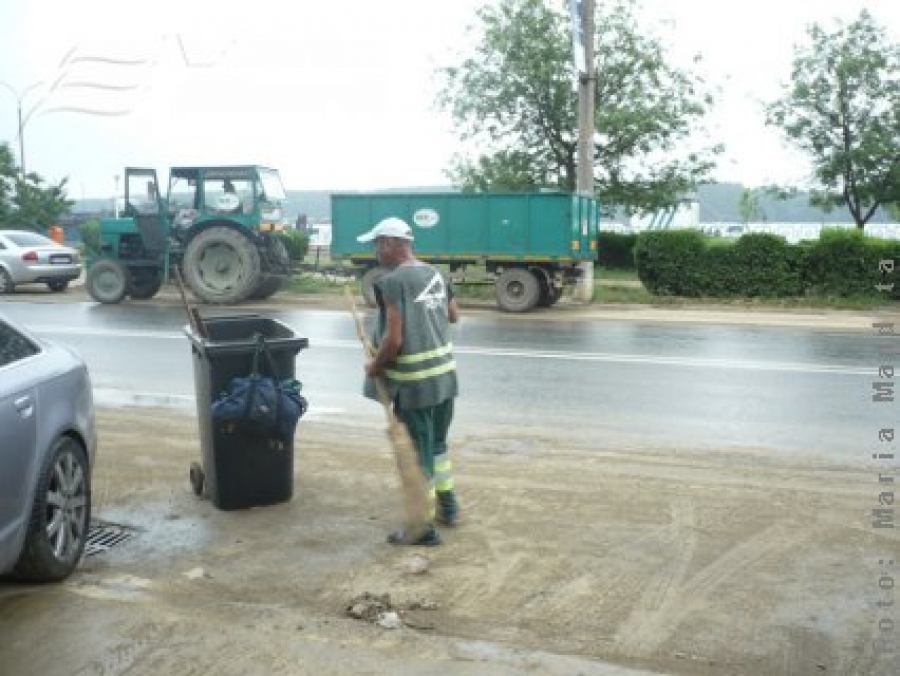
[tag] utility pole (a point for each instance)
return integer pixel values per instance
(20, 96)
(586, 88)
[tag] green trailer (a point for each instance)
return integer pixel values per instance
(530, 245)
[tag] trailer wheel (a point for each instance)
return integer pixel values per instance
(550, 294)
(221, 265)
(368, 281)
(553, 295)
(517, 289)
(107, 281)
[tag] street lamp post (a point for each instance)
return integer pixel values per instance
(20, 96)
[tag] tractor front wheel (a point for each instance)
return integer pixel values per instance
(222, 265)
(107, 281)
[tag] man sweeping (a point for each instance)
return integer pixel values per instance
(414, 357)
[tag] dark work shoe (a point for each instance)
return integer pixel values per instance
(447, 519)
(429, 538)
(447, 508)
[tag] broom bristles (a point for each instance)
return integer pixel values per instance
(416, 496)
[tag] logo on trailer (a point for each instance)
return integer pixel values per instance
(426, 218)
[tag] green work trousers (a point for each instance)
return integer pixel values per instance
(428, 428)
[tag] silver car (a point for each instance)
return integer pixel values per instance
(29, 258)
(47, 445)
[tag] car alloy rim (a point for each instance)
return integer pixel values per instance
(66, 506)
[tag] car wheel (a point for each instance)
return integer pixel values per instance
(60, 516)
(6, 283)
(58, 285)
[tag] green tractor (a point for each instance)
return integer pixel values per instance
(218, 225)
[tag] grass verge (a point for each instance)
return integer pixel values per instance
(605, 292)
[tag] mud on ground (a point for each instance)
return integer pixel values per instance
(568, 560)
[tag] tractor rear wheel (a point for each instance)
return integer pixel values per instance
(107, 281)
(269, 286)
(222, 265)
(145, 284)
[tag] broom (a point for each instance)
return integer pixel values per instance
(416, 496)
(196, 321)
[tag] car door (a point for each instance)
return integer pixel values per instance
(18, 434)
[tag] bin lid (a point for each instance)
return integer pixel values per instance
(237, 335)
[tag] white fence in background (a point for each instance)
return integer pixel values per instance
(792, 232)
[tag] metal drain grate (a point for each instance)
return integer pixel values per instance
(104, 536)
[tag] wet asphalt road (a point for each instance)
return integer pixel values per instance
(620, 383)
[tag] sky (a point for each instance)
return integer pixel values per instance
(337, 96)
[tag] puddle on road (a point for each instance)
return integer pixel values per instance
(504, 446)
(122, 398)
(117, 588)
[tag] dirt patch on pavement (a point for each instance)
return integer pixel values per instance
(567, 559)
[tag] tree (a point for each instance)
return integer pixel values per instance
(7, 182)
(515, 101)
(842, 107)
(39, 206)
(894, 210)
(749, 205)
(25, 201)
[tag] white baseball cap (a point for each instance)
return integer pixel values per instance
(389, 227)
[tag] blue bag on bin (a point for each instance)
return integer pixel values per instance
(261, 404)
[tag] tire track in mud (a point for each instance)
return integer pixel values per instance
(663, 589)
(657, 616)
(493, 568)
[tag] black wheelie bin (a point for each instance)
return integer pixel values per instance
(240, 468)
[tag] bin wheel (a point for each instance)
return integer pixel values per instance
(197, 479)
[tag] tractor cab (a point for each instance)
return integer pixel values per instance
(218, 224)
(145, 205)
(249, 197)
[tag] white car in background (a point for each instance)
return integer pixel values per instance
(48, 441)
(29, 258)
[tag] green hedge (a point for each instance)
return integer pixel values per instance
(616, 250)
(841, 263)
(89, 231)
(845, 263)
(671, 263)
(296, 243)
